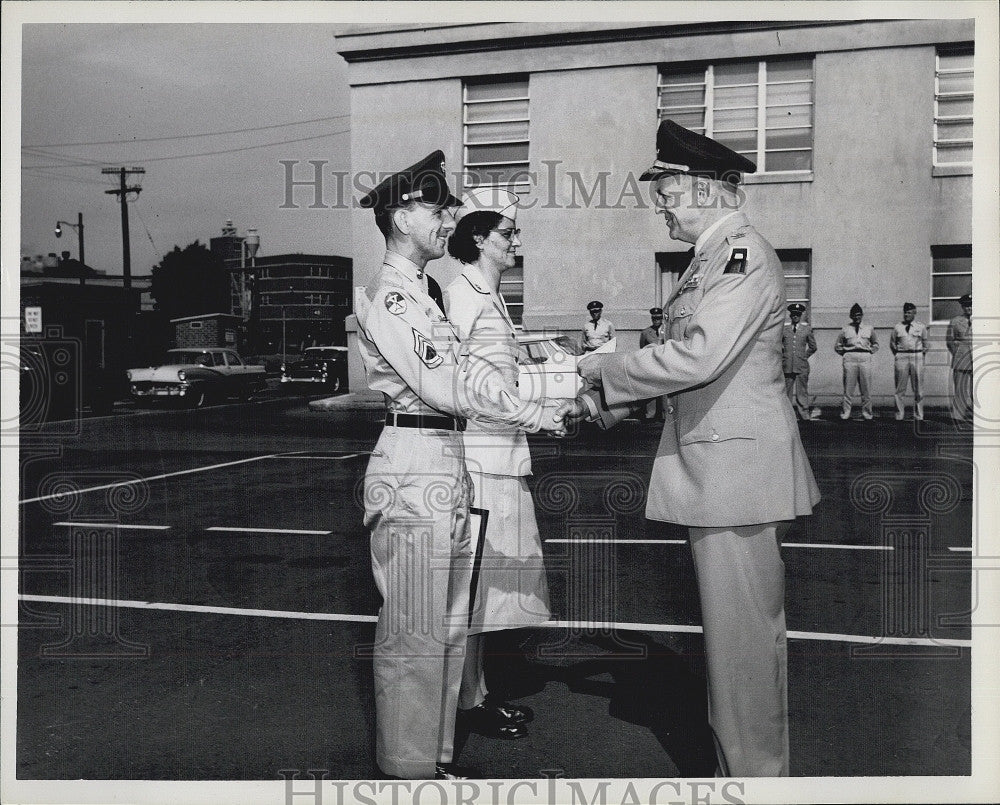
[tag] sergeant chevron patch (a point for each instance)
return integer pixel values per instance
(425, 351)
(737, 262)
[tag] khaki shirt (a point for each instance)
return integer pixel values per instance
(909, 341)
(412, 354)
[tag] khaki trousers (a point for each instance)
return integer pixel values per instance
(417, 507)
(909, 370)
(741, 584)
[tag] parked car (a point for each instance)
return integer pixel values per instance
(320, 369)
(547, 367)
(196, 376)
(58, 382)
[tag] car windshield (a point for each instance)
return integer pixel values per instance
(192, 357)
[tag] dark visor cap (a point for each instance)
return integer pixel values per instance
(679, 150)
(424, 181)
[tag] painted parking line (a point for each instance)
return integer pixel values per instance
(315, 457)
(243, 530)
(961, 550)
(598, 541)
(70, 492)
(584, 625)
(613, 541)
(129, 526)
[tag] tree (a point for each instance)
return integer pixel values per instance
(189, 282)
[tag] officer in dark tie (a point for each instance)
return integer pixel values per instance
(797, 344)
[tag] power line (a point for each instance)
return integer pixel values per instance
(91, 164)
(187, 136)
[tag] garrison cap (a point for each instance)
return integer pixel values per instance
(797, 307)
(965, 300)
(909, 306)
(679, 150)
(489, 199)
(595, 305)
(424, 181)
(856, 308)
(656, 311)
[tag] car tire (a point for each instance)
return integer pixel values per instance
(198, 398)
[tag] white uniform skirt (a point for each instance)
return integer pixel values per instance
(511, 590)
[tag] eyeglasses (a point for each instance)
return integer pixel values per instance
(507, 234)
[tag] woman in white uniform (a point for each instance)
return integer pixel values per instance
(512, 591)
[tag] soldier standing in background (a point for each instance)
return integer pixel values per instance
(909, 344)
(857, 343)
(654, 334)
(959, 342)
(797, 344)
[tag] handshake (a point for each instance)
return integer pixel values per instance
(559, 414)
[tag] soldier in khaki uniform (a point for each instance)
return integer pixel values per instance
(730, 464)
(959, 342)
(416, 486)
(908, 343)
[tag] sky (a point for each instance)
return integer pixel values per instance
(116, 87)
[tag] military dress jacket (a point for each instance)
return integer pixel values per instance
(489, 340)
(797, 344)
(411, 354)
(959, 342)
(730, 453)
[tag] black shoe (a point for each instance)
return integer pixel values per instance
(493, 722)
(518, 713)
(449, 771)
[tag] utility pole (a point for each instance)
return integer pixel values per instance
(122, 192)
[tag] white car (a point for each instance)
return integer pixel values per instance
(547, 367)
(196, 376)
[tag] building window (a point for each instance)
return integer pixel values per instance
(797, 267)
(951, 278)
(761, 109)
(512, 288)
(263, 273)
(953, 107)
(495, 132)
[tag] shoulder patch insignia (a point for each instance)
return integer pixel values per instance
(737, 262)
(395, 303)
(425, 351)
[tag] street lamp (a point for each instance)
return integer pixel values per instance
(248, 246)
(78, 226)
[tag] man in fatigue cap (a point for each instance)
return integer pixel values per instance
(730, 464)
(416, 486)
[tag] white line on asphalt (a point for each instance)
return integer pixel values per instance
(253, 613)
(118, 525)
(839, 547)
(70, 492)
(321, 458)
(961, 550)
(684, 542)
(589, 625)
(621, 541)
(265, 530)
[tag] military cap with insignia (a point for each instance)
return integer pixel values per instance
(595, 305)
(965, 300)
(796, 307)
(656, 311)
(423, 181)
(679, 150)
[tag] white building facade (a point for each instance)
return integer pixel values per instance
(862, 133)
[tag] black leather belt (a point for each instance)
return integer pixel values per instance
(425, 421)
(909, 351)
